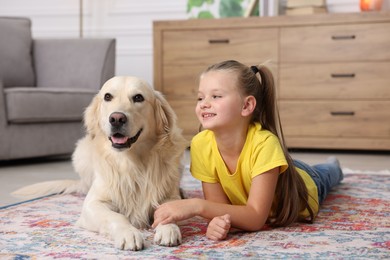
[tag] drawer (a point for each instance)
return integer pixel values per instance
(336, 118)
(181, 81)
(364, 42)
(185, 112)
(345, 143)
(364, 80)
(205, 47)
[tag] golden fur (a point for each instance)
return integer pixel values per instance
(128, 162)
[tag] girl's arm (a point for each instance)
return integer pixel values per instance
(249, 217)
(213, 192)
(253, 215)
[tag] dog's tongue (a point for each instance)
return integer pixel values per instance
(119, 140)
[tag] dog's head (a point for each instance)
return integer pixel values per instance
(127, 111)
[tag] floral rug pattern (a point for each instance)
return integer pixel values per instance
(353, 223)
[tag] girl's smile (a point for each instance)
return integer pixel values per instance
(207, 115)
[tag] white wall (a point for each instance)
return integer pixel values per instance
(129, 21)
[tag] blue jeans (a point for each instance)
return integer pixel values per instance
(325, 176)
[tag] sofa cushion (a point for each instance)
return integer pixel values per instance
(16, 65)
(78, 63)
(35, 105)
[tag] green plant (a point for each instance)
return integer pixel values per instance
(199, 3)
(229, 8)
(226, 8)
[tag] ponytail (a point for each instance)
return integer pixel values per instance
(291, 192)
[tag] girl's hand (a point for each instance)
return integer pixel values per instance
(218, 227)
(174, 211)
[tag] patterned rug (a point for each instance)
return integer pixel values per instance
(354, 223)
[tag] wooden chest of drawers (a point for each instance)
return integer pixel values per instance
(332, 72)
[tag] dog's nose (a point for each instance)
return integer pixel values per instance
(118, 119)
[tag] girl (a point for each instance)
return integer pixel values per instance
(248, 177)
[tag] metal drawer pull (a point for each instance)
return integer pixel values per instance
(346, 75)
(343, 37)
(342, 113)
(219, 41)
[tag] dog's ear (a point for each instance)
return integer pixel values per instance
(91, 122)
(164, 115)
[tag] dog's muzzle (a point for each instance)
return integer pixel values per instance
(118, 139)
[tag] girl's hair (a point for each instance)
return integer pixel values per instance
(291, 192)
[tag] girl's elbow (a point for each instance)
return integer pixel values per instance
(259, 220)
(255, 228)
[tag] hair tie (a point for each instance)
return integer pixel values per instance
(254, 69)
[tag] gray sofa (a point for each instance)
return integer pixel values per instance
(45, 85)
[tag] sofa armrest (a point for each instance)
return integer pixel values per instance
(73, 63)
(3, 116)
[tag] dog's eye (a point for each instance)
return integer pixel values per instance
(138, 98)
(107, 97)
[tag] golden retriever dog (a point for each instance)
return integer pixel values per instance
(129, 162)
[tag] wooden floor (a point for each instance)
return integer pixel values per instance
(18, 174)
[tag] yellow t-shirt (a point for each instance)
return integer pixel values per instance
(261, 152)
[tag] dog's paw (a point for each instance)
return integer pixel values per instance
(129, 239)
(167, 235)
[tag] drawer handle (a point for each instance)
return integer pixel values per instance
(342, 113)
(346, 75)
(219, 41)
(343, 37)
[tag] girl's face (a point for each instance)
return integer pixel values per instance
(219, 101)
